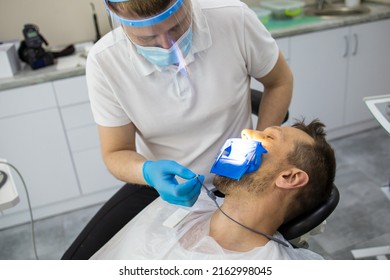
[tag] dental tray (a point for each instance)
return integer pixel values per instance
(284, 9)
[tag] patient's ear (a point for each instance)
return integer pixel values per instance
(292, 178)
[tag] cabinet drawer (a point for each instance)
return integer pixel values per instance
(77, 116)
(71, 91)
(92, 173)
(26, 99)
(83, 138)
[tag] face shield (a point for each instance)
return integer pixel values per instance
(161, 36)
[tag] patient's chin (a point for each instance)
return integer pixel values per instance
(218, 181)
(222, 183)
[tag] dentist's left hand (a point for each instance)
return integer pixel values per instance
(161, 175)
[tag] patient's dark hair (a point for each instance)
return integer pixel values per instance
(318, 161)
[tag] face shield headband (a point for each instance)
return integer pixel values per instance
(143, 22)
(238, 157)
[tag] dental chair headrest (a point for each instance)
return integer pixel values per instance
(306, 222)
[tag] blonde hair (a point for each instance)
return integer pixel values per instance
(142, 8)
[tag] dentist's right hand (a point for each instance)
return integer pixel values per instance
(161, 174)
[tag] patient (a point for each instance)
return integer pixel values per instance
(296, 174)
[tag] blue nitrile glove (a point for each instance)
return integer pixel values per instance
(161, 175)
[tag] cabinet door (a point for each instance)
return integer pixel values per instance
(369, 67)
(71, 91)
(26, 99)
(81, 131)
(92, 173)
(319, 62)
(35, 143)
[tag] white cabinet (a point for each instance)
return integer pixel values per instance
(319, 63)
(368, 69)
(33, 140)
(334, 70)
(47, 132)
(81, 130)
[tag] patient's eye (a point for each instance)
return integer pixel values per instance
(273, 133)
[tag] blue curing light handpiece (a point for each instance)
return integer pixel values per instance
(238, 157)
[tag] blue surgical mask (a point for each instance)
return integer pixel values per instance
(165, 57)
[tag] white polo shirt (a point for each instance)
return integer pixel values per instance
(184, 115)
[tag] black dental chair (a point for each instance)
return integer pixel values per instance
(305, 223)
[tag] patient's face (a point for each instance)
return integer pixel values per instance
(279, 142)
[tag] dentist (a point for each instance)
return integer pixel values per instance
(168, 85)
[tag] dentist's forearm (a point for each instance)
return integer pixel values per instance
(274, 106)
(126, 166)
(277, 95)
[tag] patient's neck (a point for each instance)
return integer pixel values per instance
(258, 214)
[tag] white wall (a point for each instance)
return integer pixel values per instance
(61, 22)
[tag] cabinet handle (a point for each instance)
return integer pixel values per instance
(356, 44)
(346, 46)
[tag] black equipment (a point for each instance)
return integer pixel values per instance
(32, 52)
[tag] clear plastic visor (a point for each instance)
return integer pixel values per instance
(161, 30)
